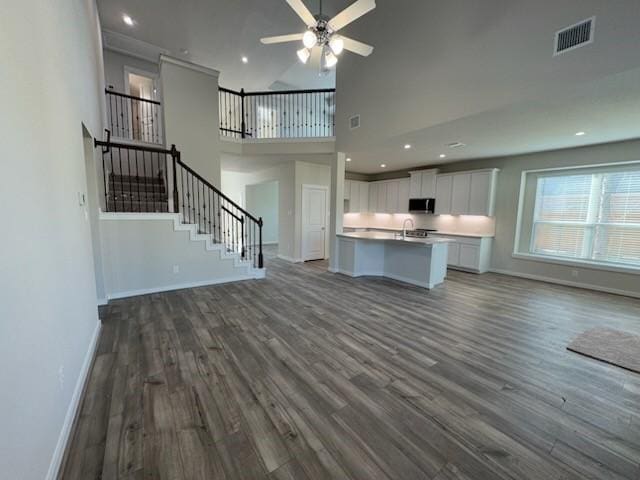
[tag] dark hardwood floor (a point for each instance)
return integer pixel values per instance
(310, 375)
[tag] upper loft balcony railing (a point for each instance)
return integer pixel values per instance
(133, 118)
(278, 114)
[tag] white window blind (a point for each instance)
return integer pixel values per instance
(589, 216)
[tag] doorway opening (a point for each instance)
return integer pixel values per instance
(144, 118)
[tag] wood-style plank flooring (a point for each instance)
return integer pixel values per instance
(309, 375)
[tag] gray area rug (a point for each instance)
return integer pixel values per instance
(618, 348)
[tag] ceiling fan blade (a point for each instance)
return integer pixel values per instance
(351, 13)
(357, 47)
(303, 12)
(294, 37)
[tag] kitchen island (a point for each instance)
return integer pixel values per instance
(417, 261)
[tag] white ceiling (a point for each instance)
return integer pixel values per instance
(217, 33)
(451, 71)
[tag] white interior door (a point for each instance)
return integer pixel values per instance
(314, 222)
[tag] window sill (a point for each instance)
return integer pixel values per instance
(608, 267)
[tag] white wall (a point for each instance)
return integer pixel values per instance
(234, 183)
(262, 201)
(114, 63)
(140, 255)
(190, 104)
(51, 84)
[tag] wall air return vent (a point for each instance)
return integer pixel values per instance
(354, 122)
(575, 36)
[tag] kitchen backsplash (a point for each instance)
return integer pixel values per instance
(444, 223)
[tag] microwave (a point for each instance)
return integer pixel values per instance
(422, 205)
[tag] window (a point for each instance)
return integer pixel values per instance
(593, 216)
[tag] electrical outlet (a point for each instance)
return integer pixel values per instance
(176, 269)
(61, 376)
(575, 273)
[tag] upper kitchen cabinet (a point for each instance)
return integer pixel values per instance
(356, 196)
(391, 205)
(423, 184)
(466, 193)
(404, 187)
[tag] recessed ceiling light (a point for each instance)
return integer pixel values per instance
(442, 155)
(579, 134)
(383, 165)
(128, 20)
(348, 159)
(407, 146)
(245, 60)
(184, 51)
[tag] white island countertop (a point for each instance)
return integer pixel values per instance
(392, 237)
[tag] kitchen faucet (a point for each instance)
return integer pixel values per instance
(404, 227)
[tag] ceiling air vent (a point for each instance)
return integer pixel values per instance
(354, 122)
(456, 145)
(575, 36)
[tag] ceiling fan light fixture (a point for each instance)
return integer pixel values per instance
(337, 45)
(330, 60)
(304, 54)
(309, 39)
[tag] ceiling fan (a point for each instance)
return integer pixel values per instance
(321, 38)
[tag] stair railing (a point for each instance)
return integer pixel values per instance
(134, 118)
(135, 180)
(277, 114)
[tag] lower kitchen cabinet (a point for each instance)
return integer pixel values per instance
(471, 254)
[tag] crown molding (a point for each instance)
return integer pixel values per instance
(120, 43)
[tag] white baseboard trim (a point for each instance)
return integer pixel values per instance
(567, 283)
(269, 243)
(179, 286)
(72, 411)
(290, 259)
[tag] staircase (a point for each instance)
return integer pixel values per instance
(140, 180)
(129, 193)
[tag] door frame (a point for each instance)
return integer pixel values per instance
(303, 242)
(157, 95)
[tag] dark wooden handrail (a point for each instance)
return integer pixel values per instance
(124, 95)
(277, 92)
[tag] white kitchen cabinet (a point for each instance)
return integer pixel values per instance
(364, 197)
(391, 205)
(482, 193)
(347, 189)
(472, 254)
(354, 197)
(469, 256)
(444, 184)
(403, 195)
(381, 199)
(423, 184)
(460, 193)
(373, 197)
(466, 193)
(453, 255)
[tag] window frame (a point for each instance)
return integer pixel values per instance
(528, 219)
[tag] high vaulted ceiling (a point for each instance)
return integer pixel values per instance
(217, 33)
(483, 73)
